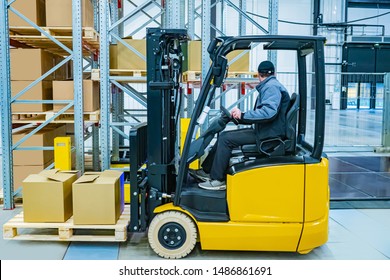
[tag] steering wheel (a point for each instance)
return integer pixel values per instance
(227, 114)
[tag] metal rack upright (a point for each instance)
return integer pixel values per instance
(76, 54)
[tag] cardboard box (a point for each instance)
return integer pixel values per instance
(44, 137)
(34, 10)
(59, 13)
(21, 172)
(41, 91)
(120, 176)
(127, 59)
(114, 56)
(30, 64)
(193, 56)
(96, 199)
(63, 90)
(65, 72)
(47, 196)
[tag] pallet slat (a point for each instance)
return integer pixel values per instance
(66, 230)
(67, 117)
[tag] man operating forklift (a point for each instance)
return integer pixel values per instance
(268, 118)
(277, 192)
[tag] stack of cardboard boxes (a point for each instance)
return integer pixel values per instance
(51, 13)
(123, 58)
(96, 198)
(29, 64)
(59, 13)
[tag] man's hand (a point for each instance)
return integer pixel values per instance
(236, 113)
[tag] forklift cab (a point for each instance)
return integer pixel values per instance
(277, 199)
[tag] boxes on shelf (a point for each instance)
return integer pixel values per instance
(96, 199)
(47, 196)
(193, 58)
(65, 72)
(41, 91)
(21, 172)
(127, 59)
(30, 64)
(63, 90)
(59, 13)
(114, 56)
(44, 137)
(34, 10)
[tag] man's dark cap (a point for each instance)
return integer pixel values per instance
(266, 67)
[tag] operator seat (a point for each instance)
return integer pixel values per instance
(278, 146)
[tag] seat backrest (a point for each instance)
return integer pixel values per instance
(291, 125)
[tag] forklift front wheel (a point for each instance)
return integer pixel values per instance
(172, 235)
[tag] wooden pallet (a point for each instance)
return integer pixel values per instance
(127, 74)
(39, 117)
(65, 231)
(195, 76)
(32, 37)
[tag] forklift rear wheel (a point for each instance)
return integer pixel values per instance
(172, 235)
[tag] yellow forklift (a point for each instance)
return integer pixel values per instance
(277, 195)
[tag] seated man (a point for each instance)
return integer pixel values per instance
(268, 119)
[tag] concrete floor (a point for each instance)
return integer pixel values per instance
(354, 234)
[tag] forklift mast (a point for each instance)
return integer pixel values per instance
(164, 72)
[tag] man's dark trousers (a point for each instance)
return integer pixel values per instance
(217, 161)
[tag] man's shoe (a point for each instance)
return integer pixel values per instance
(199, 174)
(213, 185)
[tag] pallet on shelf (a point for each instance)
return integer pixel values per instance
(95, 73)
(38, 117)
(67, 231)
(34, 38)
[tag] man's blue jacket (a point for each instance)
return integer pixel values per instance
(269, 113)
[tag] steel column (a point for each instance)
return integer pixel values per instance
(206, 9)
(242, 22)
(223, 17)
(191, 19)
(115, 91)
(96, 15)
(386, 114)
(273, 12)
(174, 14)
(6, 124)
(121, 95)
(105, 87)
(95, 147)
(115, 118)
(78, 84)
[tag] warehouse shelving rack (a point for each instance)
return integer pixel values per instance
(116, 81)
(74, 52)
(109, 23)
